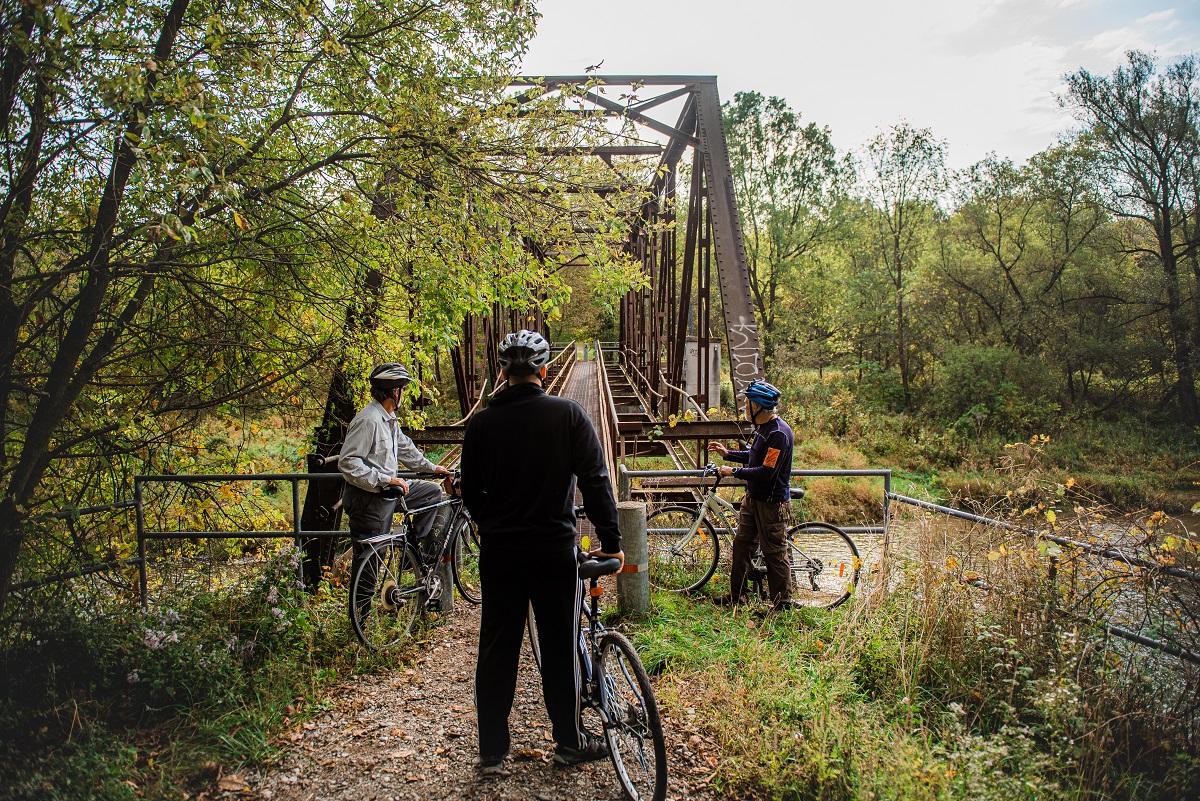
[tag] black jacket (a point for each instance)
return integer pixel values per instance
(770, 462)
(520, 460)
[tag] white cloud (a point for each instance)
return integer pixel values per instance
(983, 74)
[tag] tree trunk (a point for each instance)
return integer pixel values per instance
(80, 352)
(1185, 388)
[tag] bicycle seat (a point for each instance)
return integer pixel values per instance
(590, 568)
(796, 492)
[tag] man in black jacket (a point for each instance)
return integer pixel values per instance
(520, 461)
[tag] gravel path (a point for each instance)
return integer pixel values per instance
(411, 734)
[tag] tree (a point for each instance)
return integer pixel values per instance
(1146, 129)
(787, 178)
(188, 190)
(905, 178)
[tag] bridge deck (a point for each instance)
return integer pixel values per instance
(582, 388)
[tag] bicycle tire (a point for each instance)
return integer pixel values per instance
(632, 727)
(836, 578)
(680, 569)
(386, 595)
(466, 560)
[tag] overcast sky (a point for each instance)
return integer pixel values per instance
(982, 74)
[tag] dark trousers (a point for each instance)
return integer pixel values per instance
(764, 524)
(510, 582)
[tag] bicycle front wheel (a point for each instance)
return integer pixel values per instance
(680, 561)
(466, 560)
(825, 564)
(632, 728)
(386, 595)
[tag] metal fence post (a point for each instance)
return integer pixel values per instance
(296, 528)
(624, 484)
(633, 582)
(140, 517)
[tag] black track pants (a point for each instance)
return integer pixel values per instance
(510, 582)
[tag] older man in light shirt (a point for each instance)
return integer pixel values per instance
(371, 455)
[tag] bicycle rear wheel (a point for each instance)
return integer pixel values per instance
(632, 728)
(825, 564)
(678, 561)
(386, 595)
(466, 559)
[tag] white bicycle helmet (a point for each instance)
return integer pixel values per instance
(523, 352)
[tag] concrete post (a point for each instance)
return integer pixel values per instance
(633, 583)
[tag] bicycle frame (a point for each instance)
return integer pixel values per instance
(720, 508)
(428, 563)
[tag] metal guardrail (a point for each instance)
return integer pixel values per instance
(1108, 553)
(297, 532)
(626, 476)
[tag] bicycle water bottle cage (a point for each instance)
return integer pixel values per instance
(796, 492)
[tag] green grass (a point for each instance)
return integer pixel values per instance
(109, 705)
(902, 699)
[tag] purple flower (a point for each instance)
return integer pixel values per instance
(133, 677)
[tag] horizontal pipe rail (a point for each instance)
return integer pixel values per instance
(103, 567)
(626, 476)
(1118, 631)
(1108, 553)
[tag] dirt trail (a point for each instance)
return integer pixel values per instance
(411, 734)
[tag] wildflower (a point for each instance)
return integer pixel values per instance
(133, 677)
(277, 612)
(273, 595)
(153, 639)
(169, 616)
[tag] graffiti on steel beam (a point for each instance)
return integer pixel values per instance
(745, 359)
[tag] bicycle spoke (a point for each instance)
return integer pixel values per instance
(825, 565)
(466, 560)
(680, 561)
(632, 727)
(386, 594)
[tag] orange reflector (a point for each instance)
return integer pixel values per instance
(596, 592)
(627, 568)
(841, 570)
(448, 557)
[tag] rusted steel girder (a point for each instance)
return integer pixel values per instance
(641, 430)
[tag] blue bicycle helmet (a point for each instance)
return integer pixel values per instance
(765, 395)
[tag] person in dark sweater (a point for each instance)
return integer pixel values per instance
(763, 516)
(522, 457)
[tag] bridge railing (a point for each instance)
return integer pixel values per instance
(626, 477)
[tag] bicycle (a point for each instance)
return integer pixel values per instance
(684, 551)
(397, 580)
(617, 689)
